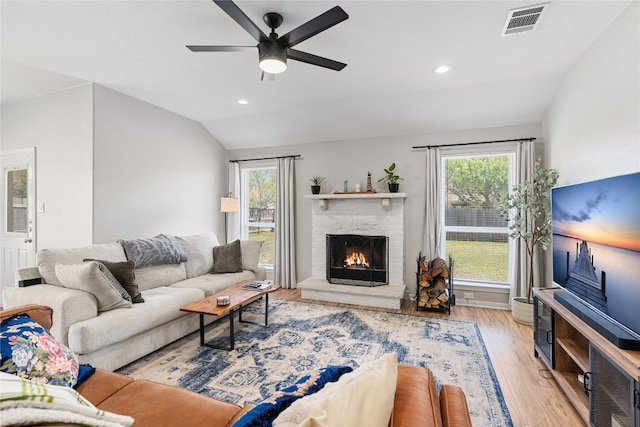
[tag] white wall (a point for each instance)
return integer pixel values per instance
(154, 171)
(593, 126)
(351, 160)
(60, 126)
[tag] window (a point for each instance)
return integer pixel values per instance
(475, 235)
(17, 202)
(258, 207)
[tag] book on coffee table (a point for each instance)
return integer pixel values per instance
(258, 284)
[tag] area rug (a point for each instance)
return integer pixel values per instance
(304, 336)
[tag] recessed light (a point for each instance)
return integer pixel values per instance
(243, 101)
(444, 68)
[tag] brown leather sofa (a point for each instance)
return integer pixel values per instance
(151, 404)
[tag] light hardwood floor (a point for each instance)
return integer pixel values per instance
(533, 398)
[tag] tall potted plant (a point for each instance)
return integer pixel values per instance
(528, 207)
(391, 178)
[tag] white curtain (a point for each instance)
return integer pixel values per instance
(233, 219)
(284, 269)
(432, 219)
(525, 161)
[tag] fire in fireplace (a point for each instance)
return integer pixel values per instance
(355, 259)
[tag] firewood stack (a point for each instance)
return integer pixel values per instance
(433, 289)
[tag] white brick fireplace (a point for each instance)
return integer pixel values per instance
(380, 214)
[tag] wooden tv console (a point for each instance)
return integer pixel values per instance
(610, 394)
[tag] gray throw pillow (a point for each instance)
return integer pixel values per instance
(251, 254)
(124, 272)
(95, 278)
(227, 258)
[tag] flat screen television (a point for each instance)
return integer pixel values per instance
(596, 254)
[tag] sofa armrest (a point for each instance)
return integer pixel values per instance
(27, 276)
(41, 314)
(69, 305)
(453, 406)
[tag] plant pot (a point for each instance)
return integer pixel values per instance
(315, 189)
(522, 311)
(393, 187)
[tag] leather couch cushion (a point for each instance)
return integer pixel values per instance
(416, 384)
(453, 405)
(152, 405)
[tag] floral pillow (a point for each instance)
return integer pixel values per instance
(28, 351)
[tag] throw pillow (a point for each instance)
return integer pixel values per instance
(125, 274)
(162, 249)
(263, 414)
(251, 254)
(95, 278)
(363, 397)
(227, 258)
(29, 351)
(24, 402)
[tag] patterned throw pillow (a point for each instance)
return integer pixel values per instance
(263, 414)
(28, 351)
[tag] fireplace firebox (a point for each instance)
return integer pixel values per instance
(355, 259)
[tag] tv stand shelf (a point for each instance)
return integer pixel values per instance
(575, 349)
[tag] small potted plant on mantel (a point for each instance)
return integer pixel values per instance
(528, 206)
(316, 183)
(391, 178)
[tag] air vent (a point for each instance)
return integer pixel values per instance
(523, 19)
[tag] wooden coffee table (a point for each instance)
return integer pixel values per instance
(239, 296)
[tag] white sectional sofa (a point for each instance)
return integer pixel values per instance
(111, 339)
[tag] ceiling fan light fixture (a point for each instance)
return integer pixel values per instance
(273, 57)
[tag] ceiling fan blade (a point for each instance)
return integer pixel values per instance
(193, 48)
(315, 60)
(243, 20)
(316, 25)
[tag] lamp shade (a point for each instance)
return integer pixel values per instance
(229, 204)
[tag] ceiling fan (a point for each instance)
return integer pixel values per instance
(273, 51)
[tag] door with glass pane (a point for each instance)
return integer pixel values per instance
(18, 218)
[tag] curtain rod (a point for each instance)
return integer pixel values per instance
(472, 143)
(295, 156)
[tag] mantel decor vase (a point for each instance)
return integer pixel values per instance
(393, 187)
(315, 189)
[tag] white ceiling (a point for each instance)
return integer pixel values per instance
(388, 87)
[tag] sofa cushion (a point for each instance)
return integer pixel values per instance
(27, 402)
(263, 414)
(159, 275)
(371, 386)
(162, 305)
(158, 250)
(227, 258)
(199, 252)
(46, 259)
(95, 278)
(251, 254)
(29, 351)
(214, 283)
(124, 272)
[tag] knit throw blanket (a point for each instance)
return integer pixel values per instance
(162, 249)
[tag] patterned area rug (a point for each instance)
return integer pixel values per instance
(304, 336)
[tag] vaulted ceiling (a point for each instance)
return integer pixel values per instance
(388, 87)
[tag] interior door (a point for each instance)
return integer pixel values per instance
(18, 214)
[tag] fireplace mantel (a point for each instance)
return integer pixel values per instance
(385, 197)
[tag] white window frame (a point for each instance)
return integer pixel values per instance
(489, 150)
(245, 167)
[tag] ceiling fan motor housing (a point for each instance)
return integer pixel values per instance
(272, 51)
